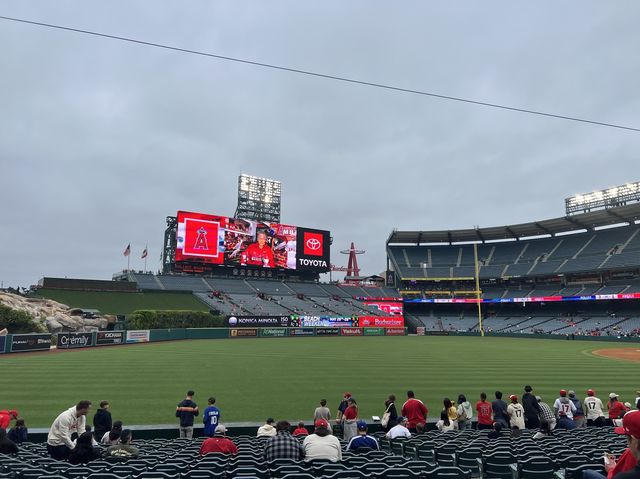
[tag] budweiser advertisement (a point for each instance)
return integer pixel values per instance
(228, 241)
(381, 321)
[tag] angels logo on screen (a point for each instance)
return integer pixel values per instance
(313, 244)
(200, 238)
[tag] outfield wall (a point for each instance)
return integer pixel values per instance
(20, 343)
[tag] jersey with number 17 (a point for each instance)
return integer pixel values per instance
(211, 418)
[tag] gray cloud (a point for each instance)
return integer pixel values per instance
(101, 140)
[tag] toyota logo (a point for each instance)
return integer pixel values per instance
(313, 244)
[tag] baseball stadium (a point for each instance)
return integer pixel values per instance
(240, 312)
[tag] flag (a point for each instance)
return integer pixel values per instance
(127, 251)
(144, 253)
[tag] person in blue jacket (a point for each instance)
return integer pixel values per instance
(211, 418)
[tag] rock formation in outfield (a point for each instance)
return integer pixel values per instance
(49, 315)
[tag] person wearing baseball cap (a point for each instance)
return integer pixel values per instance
(363, 440)
(626, 467)
(400, 429)
(344, 404)
(515, 410)
(594, 410)
(617, 409)
(6, 417)
(578, 415)
(219, 443)
(322, 444)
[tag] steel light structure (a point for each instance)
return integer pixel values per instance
(603, 199)
(258, 199)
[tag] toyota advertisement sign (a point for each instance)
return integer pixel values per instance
(213, 239)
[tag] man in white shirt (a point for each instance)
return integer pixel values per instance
(73, 420)
(593, 410)
(400, 429)
(322, 444)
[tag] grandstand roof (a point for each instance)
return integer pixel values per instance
(588, 221)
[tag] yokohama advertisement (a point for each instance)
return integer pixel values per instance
(74, 340)
(30, 342)
(381, 321)
(104, 338)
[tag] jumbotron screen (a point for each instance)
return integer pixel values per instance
(228, 241)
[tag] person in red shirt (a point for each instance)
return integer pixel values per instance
(259, 253)
(6, 417)
(415, 411)
(300, 430)
(629, 458)
(616, 408)
(219, 443)
(485, 413)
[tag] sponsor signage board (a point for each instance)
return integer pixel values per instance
(138, 336)
(390, 307)
(325, 321)
(374, 331)
(327, 332)
(437, 333)
(351, 331)
(74, 340)
(420, 331)
(381, 321)
(302, 332)
(30, 342)
(221, 240)
(104, 338)
(243, 333)
(273, 332)
(395, 331)
(258, 321)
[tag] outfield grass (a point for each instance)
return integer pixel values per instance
(286, 377)
(124, 303)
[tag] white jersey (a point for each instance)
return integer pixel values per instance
(516, 415)
(564, 408)
(593, 407)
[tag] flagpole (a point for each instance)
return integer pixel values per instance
(128, 261)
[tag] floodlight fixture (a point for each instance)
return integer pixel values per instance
(258, 199)
(603, 199)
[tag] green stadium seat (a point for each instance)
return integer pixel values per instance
(447, 473)
(534, 468)
(398, 473)
(576, 472)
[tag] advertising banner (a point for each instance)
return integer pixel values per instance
(30, 342)
(243, 333)
(374, 331)
(325, 321)
(273, 332)
(228, 241)
(258, 321)
(420, 331)
(74, 340)
(351, 331)
(302, 332)
(138, 336)
(381, 321)
(3, 342)
(389, 307)
(104, 338)
(327, 331)
(395, 331)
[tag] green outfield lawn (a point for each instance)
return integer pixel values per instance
(286, 377)
(124, 303)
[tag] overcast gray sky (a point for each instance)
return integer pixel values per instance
(101, 140)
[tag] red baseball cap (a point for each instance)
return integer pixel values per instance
(591, 392)
(347, 395)
(630, 425)
(513, 397)
(563, 392)
(322, 423)
(13, 413)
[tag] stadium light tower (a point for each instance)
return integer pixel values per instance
(603, 199)
(258, 199)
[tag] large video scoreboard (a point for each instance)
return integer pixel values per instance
(221, 240)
